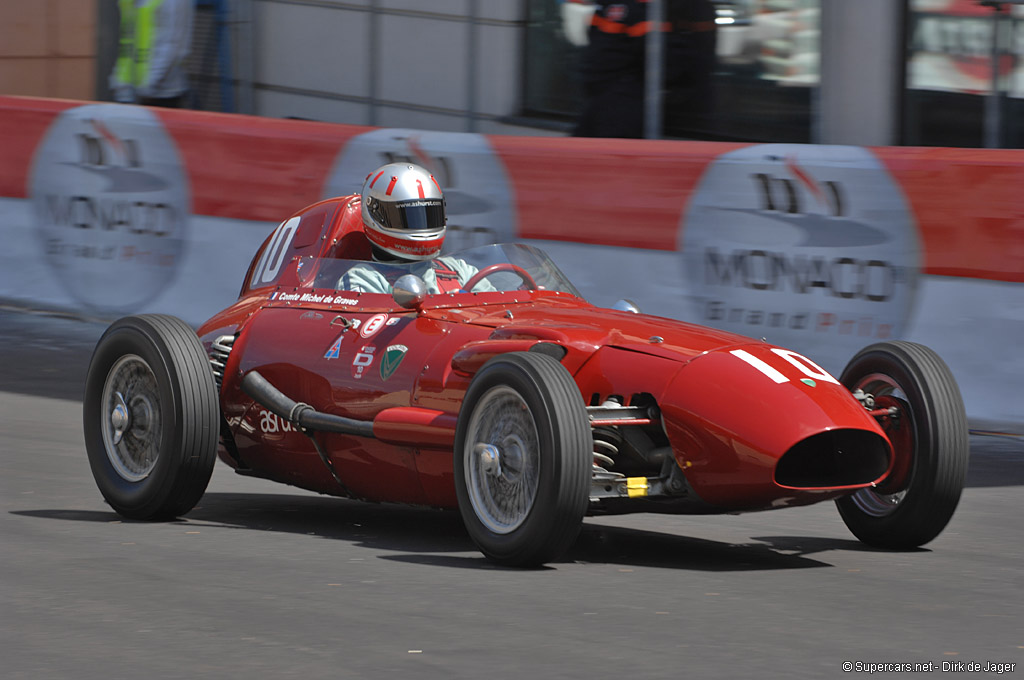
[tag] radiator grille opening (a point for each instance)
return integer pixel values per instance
(833, 459)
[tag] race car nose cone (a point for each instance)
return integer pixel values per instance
(490, 459)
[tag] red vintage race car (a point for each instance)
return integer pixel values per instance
(513, 400)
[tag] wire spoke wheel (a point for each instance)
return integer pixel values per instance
(131, 432)
(504, 468)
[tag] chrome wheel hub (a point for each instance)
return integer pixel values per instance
(876, 504)
(490, 459)
(119, 419)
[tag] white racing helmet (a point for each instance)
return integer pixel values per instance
(404, 212)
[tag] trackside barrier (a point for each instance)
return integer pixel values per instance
(109, 209)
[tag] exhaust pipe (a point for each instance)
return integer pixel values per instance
(303, 415)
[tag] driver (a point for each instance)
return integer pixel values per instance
(403, 212)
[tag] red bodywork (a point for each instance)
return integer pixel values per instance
(730, 408)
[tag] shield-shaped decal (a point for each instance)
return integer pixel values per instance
(393, 356)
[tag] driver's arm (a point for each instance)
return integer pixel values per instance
(363, 279)
(466, 271)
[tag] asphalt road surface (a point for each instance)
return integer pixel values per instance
(266, 581)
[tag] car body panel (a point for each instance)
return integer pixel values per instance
(729, 407)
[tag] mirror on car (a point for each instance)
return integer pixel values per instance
(409, 291)
(625, 305)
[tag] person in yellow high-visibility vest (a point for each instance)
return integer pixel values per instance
(154, 43)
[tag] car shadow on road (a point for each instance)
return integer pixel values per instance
(636, 547)
(809, 545)
(437, 537)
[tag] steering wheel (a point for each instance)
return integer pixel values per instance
(500, 267)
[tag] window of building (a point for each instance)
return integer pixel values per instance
(753, 77)
(949, 98)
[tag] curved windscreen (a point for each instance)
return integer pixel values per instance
(499, 267)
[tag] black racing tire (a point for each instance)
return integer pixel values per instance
(915, 504)
(151, 417)
(523, 501)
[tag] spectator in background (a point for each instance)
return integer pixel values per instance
(154, 43)
(615, 56)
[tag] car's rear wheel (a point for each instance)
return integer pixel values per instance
(928, 430)
(151, 417)
(523, 459)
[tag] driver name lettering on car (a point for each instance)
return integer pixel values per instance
(311, 298)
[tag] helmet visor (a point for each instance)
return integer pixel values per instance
(417, 215)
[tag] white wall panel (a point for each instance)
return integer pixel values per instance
(312, 48)
(390, 117)
(290, 105)
(498, 69)
(502, 10)
(422, 61)
(455, 7)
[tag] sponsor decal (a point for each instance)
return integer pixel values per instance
(312, 315)
(391, 359)
(362, 361)
(335, 349)
(802, 244)
(373, 324)
(393, 320)
(476, 187)
(111, 205)
(271, 423)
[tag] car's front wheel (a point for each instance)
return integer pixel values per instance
(928, 431)
(150, 416)
(523, 459)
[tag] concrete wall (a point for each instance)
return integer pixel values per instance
(447, 65)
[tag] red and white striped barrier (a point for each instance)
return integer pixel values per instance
(110, 209)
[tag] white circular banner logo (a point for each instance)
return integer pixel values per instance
(476, 188)
(812, 247)
(111, 205)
